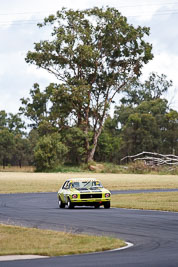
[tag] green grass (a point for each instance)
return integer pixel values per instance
(16, 240)
(165, 201)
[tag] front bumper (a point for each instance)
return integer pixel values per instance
(90, 201)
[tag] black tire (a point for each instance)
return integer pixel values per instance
(107, 205)
(70, 205)
(60, 203)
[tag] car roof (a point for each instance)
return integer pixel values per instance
(81, 179)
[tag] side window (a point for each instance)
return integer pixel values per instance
(66, 185)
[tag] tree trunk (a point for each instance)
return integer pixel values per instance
(95, 140)
(4, 163)
(20, 164)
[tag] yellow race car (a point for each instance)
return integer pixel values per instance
(83, 192)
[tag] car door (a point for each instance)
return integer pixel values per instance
(65, 191)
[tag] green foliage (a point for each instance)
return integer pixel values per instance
(141, 132)
(65, 168)
(37, 110)
(22, 152)
(3, 119)
(143, 129)
(109, 142)
(6, 145)
(144, 118)
(15, 124)
(49, 152)
(171, 132)
(153, 88)
(13, 143)
(74, 139)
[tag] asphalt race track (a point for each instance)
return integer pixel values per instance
(153, 233)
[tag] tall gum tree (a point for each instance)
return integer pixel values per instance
(94, 53)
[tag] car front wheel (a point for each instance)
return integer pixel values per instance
(107, 205)
(70, 205)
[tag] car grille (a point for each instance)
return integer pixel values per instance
(82, 196)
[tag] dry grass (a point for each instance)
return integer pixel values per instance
(11, 182)
(17, 169)
(20, 240)
(165, 201)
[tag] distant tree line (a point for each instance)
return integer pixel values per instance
(142, 122)
(97, 57)
(15, 148)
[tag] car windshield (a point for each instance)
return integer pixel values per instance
(86, 184)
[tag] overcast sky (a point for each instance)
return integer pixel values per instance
(18, 19)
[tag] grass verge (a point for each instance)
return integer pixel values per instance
(16, 240)
(165, 201)
(15, 182)
(17, 169)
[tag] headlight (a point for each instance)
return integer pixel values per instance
(107, 195)
(74, 196)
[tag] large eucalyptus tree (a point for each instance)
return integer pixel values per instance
(94, 54)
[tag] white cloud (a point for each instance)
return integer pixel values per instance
(165, 63)
(41, 74)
